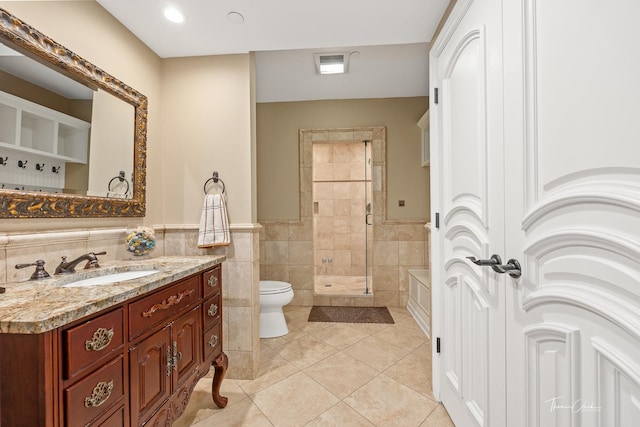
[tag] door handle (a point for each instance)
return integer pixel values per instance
(512, 267)
(366, 219)
(495, 262)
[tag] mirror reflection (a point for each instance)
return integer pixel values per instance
(66, 155)
(58, 135)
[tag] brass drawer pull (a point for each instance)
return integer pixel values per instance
(213, 281)
(213, 310)
(172, 360)
(213, 341)
(169, 302)
(177, 356)
(169, 361)
(101, 339)
(101, 392)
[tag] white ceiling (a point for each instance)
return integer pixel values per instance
(386, 71)
(391, 37)
(26, 68)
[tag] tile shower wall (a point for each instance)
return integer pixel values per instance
(286, 248)
(339, 203)
(241, 295)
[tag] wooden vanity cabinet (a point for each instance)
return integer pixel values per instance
(134, 364)
(162, 363)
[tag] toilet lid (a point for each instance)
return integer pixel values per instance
(268, 287)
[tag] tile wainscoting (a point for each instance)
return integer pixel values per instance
(241, 294)
(286, 253)
(276, 251)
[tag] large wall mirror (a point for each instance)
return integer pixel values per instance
(72, 137)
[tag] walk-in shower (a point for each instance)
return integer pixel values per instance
(342, 216)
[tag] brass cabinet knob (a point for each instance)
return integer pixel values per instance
(213, 341)
(213, 281)
(213, 310)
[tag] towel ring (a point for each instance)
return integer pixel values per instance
(215, 179)
(120, 178)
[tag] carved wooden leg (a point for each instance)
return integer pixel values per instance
(220, 366)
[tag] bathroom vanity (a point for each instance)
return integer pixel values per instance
(120, 354)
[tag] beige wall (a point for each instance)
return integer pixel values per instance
(111, 151)
(34, 93)
(88, 30)
(277, 146)
(200, 115)
(206, 127)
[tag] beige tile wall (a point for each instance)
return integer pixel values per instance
(400, 247)
(286, 248)
(240, 291)
(241, 294)
(339, 198)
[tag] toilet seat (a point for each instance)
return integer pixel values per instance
(271, 287)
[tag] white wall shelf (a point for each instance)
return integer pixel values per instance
(423, 124)
(31, 128)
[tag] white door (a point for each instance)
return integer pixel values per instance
(467, 165)
(572, 139)
(570, 196)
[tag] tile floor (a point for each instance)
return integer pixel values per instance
(331, 374)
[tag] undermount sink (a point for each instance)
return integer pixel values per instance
(111, 278)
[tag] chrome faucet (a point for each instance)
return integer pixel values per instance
(70, 267)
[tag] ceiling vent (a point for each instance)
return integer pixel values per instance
(331, 63)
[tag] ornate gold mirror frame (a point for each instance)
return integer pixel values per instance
(22, 204)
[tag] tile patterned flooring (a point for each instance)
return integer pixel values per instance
(331, 374)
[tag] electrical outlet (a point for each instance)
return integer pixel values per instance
(400, 203)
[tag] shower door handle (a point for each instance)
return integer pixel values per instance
(366, 219)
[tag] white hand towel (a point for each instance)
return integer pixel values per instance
(214, 223)
(116, 195)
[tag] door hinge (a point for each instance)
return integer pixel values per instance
(438, 345)
(435, 95)
(437, 219)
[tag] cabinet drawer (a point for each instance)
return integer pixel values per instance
(117, 419)
(94, 395)
(212, 280)
(211, 310)
(212, 342)
(161, 305)
(92, 340)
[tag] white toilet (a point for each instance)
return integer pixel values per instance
(273, 296)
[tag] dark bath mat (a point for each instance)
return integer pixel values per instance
(321, 313)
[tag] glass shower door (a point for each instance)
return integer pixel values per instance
(368, 191)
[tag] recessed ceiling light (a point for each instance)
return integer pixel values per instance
(235, 18)
(173, 15)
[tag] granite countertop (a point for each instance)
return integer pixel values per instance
(36, 306)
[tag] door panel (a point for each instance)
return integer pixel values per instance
(150, 375)
(561, 194)
(576, 230)
(551, 373)
(475, 324)
(187, 338)
(468, 190)
(618, 385)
